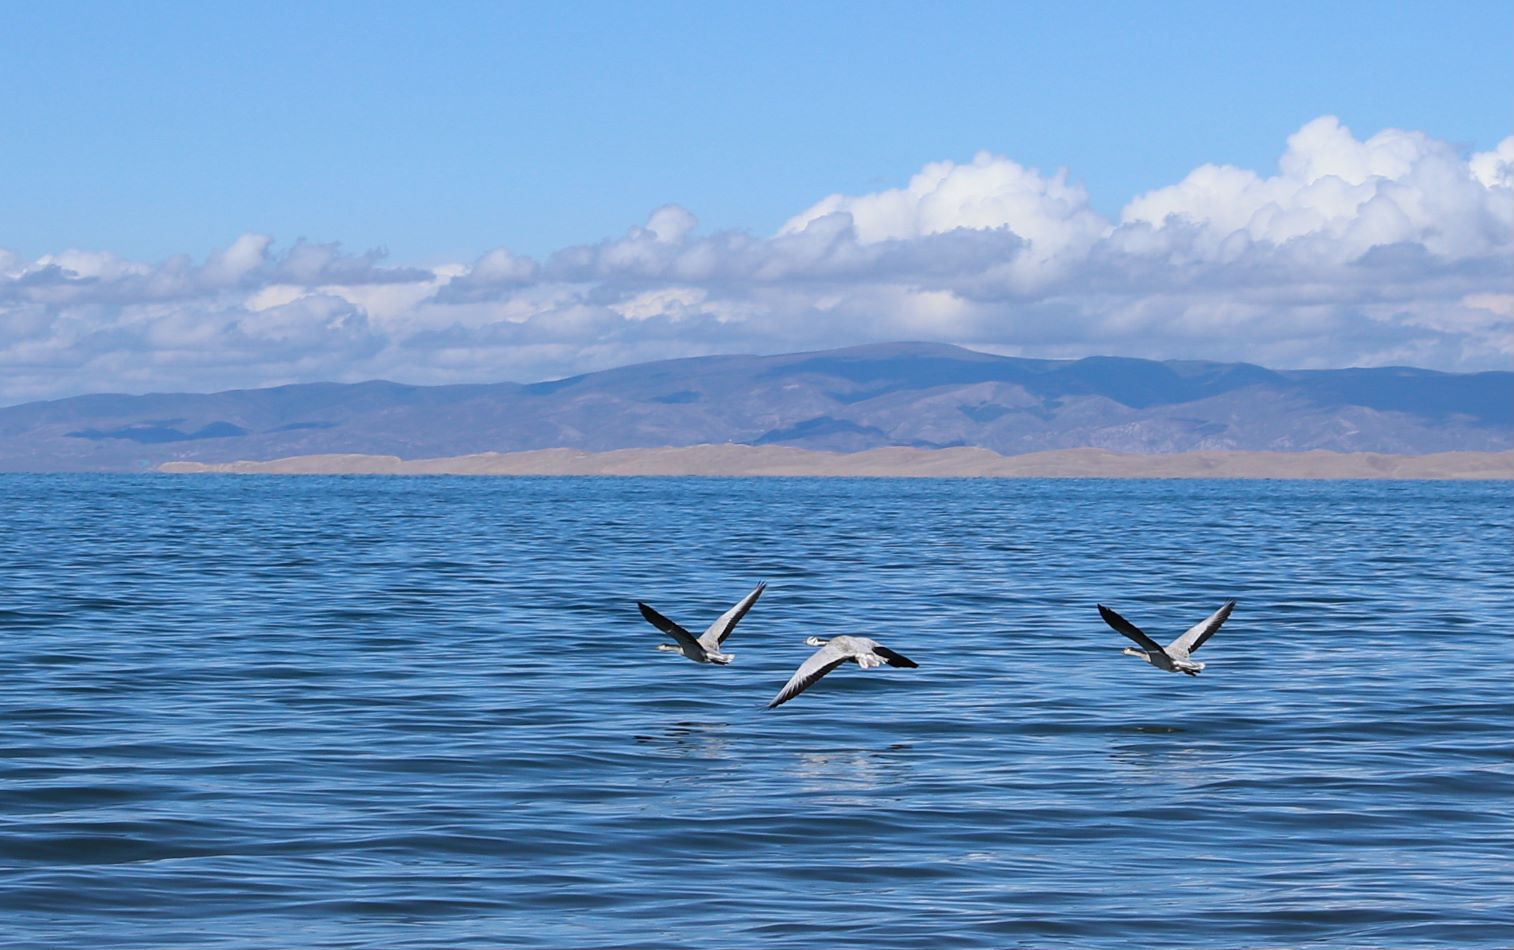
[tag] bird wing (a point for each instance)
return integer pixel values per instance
(893, 658)
(1130, 630)
(821, 662)
(668, 627)
(726, 622)
(1199, 632)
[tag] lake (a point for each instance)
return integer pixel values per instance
(421, 712)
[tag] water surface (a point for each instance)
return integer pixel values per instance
(366, 711)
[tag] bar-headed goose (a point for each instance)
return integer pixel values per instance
(1174, 657)
(706, 647)
(864, 652)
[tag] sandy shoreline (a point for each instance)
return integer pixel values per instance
(732, 460)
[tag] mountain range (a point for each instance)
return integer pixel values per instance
(848, 400)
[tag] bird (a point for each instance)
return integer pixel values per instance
(1174, 657)
(832, 653)
(706, 647)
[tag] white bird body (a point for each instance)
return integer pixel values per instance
(706, 647)
(1174, 657)
(865, 652)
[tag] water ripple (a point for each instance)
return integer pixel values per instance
(420, 712)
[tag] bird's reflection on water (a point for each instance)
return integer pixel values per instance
(837, 770)
(1163, 753)
(700, 739)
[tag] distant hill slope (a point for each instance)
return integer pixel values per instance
(900, 394)
(748, 461)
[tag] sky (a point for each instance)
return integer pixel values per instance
(205, 196)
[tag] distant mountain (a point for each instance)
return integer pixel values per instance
(866, 397)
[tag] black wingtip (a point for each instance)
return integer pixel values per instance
(895, 658)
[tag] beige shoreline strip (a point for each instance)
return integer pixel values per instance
(732, 460)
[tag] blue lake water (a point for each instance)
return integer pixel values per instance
(259, 712)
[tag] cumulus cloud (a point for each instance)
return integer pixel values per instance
(1390, 249)
(1048, 215)
(1340, 197)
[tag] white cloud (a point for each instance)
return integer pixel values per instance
(671, 302)
(671, 223)
(1343, 197)
(1051, 216)
(245, 255)
(1495, 169)
(991, 192)
(1393, 248)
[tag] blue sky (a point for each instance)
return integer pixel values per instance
(155, 129)
(150, 133)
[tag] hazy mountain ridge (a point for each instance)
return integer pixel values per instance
(855, 399)
(748, 461)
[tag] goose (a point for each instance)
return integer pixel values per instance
(706, 647)
(832, 653)
(1174, 657)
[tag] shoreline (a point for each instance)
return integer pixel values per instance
(745, 461)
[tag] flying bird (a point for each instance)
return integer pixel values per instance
(1174, 657)
(706, 647)
(832, 653)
